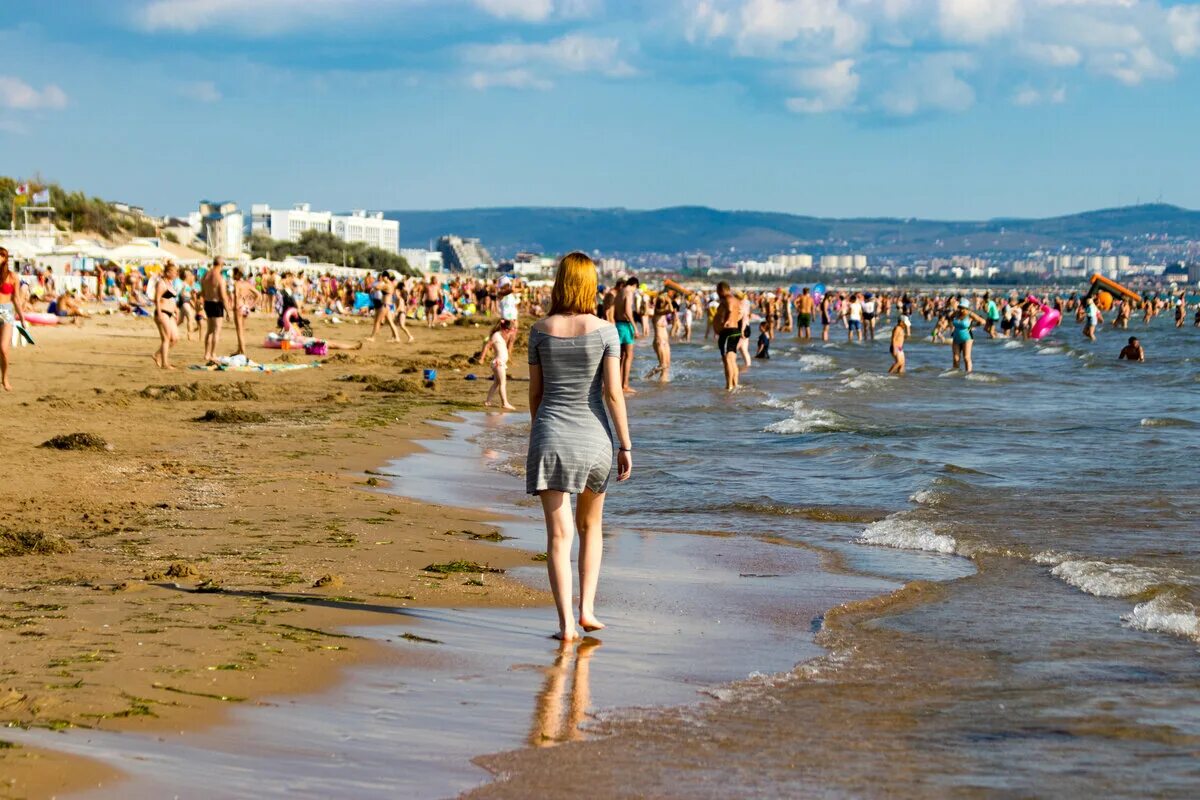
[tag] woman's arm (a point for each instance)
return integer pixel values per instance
(614, 398)
(535, 389)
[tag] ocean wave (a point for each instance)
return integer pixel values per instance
(983, 377)
(1051, 351)
(849, 372)
(1012, 344)
(1165, 614)
(1166, 422)
(809, 420)
(819, 513)
(907, 534)
(1108, 579)
(867, 381)
(814, 362)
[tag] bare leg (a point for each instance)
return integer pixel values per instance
(560, 530)
(966, 355)
(502, 385)
(6, 332)
(589, 515)
(392, 324)
(401, 318)
(239, 327)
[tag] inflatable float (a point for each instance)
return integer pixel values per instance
(1047, 322)
(1099, 283)
(40, 318)
(670, 284)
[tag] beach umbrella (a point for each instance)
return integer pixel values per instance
(20, 248)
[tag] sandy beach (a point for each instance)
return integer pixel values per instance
(196, 566)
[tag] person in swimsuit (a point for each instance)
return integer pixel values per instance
(1132, 351)
(727, 322)
(498, 343)
(804, 314)
(899, 334)
(1092, 318)
(245, 300)
(216, 299)
(189, 313)
(624, 309)
(11, 312)
(432, 301)
(961, 339)
(383, 293)
(574, 377)
(166, 309)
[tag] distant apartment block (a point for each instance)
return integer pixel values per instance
(288, 225)
(464, 255)
(423, 260)
(221, 226)
(696, 262)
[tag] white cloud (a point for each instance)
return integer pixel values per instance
(1132, 67)
(201, 91)
(931, 83)
(828, 88)
(978, 20)
(1053, 55)
(508, 79)
(1029, 96)
(1184, 24)
(16, 93)
(525, 10)
(767, 24)
(532, 64)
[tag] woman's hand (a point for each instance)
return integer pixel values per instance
(624, 465)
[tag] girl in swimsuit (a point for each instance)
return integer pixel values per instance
(165, 311)
(962, 339)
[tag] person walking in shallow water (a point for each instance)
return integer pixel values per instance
(574, 375)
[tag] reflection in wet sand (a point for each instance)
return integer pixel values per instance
(561, 709)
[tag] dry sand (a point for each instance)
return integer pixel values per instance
(195, 565)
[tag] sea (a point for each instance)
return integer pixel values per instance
(1048, 648)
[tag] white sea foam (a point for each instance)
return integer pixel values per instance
(867, 381)
(906, 534)
(1166, 422)
(983, 377)
(1107, 579)
(813, 362)
(950, 373)
(1051, 351)
(1164, 614)
(927, 497)
(849, 371)
(1012, 344)
(807, 420)
(776, 402)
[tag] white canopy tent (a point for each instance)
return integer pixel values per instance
(21, 248)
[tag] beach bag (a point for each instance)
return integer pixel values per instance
(316, 349)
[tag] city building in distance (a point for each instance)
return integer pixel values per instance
(464, 255)
(288, 225)
(221, 226)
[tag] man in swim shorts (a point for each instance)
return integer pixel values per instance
(623, 314)
(216, 299)
(727, 322)
(804, 314)
(899, 334)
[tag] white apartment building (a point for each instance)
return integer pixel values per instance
(424, 261)
(221, 227)
(793, 261)
(368, 227)
(762, 268)
(288, 225)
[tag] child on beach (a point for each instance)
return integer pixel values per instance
(498, 342)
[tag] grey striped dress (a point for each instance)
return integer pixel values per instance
(570, 443)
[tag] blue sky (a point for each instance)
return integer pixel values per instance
(933, 108)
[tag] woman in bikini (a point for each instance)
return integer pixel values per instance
(165, 312)
(10, 312)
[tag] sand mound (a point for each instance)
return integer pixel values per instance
(241, 390)
(374, 383)
(231, 416)
(77, 441)
(21, 543)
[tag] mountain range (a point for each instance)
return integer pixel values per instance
(698, 229)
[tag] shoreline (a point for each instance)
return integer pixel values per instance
(71, 602)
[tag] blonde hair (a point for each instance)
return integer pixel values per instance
(574, 289)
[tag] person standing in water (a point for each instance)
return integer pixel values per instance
(899, 334)
(1132, 351)
(624, 310)
(216, 299)
(663, 307)
(804, 315)
(727, 322)
(574, 375)
(961, 339)
(1091, 319)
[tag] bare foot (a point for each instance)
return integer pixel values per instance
(591, 624)
(570, 635)
(509, 407)
(157, 360)
(630, 390)
(7, 386)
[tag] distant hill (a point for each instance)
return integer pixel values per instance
(686, 228)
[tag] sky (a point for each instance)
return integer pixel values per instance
(958, 109)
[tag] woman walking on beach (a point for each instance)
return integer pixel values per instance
(10, 313)
(166, 308)
(574, 373)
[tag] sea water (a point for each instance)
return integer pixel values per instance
(1065, 661)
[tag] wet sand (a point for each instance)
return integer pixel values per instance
(195, 568)
(687, 613)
